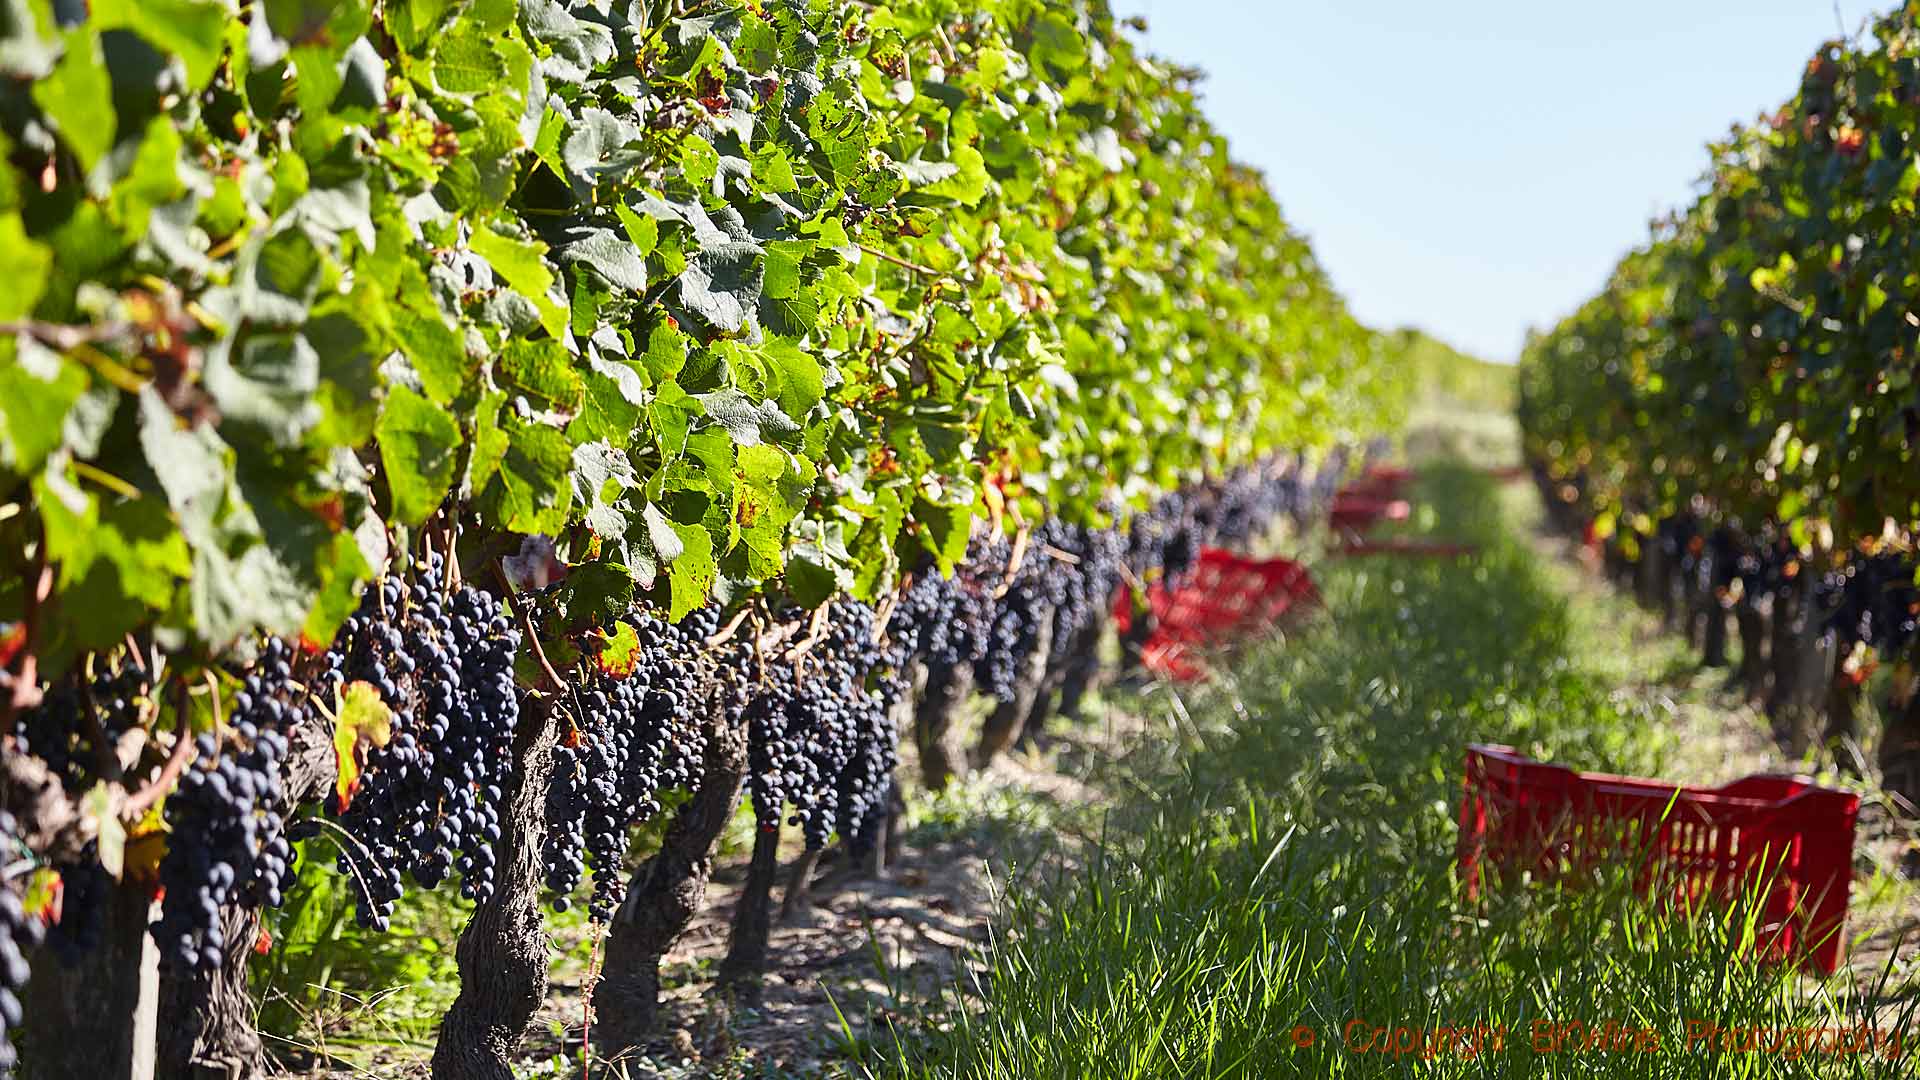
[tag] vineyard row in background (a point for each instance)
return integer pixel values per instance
(468, 430)
(1736, 416)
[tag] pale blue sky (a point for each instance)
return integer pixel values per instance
(1477, 167)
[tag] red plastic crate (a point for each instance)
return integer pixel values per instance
(1383, 481)
(1359, 510)
(1429, 549)
(1782, 839)
(1226, 596)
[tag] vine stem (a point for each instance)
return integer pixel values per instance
(586, 1000)
(138, 802)
(725, 633)
(526, 625)
(900, 262)
(26, 682)
(63, 336)
(1013, 561)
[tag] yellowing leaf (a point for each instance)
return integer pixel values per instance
(617, 654)
(111, 836)
(146, 845)
(360, 720)
(43, 895)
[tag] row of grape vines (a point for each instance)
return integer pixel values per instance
(1736, 415)
(468, 430)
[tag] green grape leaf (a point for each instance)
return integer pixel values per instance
(413, 22)
(818, 565)
(434, 349)
(544, 372)
(666, 352)
(1057, 42)
(193, 30)
(531, 491)
(802, 382)
(671, 415)
(418, 444)
(465, 63)
(24, 264)
(690, 576)
(78, 98)
(602, 477)
(521, 264)
(267, 379)
(593, 594)
(613, 258)
(489, 443)
(746, 423)
(969, 184)
(599, 145)
(944, 530)
(722, 284)
(100, 808)
(37, 391)
(343, 568)
(119, 562)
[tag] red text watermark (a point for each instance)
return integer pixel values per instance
(1603, 1037)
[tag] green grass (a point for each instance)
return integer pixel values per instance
(1440, 370)
(1462, 406)
(1283, 869)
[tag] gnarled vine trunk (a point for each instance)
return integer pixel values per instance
(941, 756)
(1650, 575)
(799, 895)
(97, 1017)
(503, 951)
(1713, 636)
(1751, 618)
(1082, 669)
(1900, 745)
(1800, 660)
(885, 842)
(207, 1021)
(746, 958)
(665, 894)
(1138, 632)
(1009, 718)
(1842, 734)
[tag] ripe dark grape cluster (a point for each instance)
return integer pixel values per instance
(19, 933)
(430, 800)
(84, 889)
(1027, 593)
(1719, 561)
(630, 738)
(961, 609)
(1088, 584)
(58, 730)
(227, 842)
(1232, 510)
(820, 736)
(857, 770)
(865, 786)
(1328, 477)
(1250, 499)
(772, 756)
(1872, 600)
